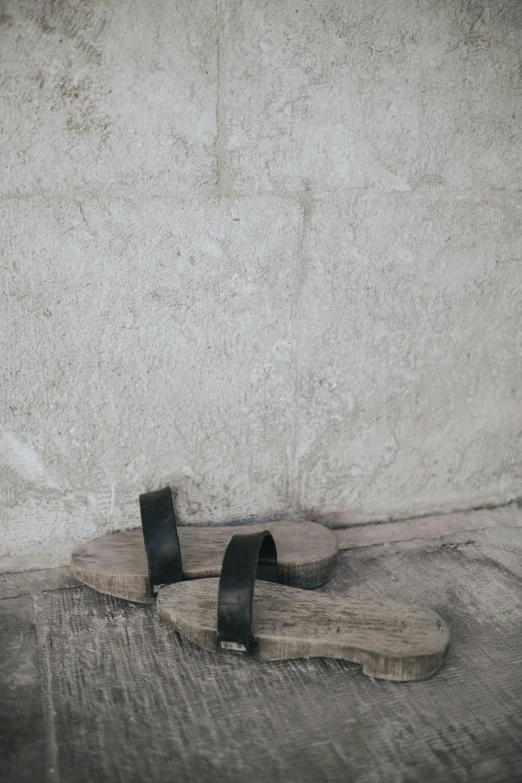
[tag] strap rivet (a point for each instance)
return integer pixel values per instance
(233, 646)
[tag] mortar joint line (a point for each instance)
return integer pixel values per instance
(306, 201)
(222, 176)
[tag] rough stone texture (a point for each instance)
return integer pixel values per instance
(96, 94)
(409, 323)
(153, 345)
(123, 698)
(268, 252)
(373, 94)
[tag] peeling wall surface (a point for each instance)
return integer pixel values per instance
(266, 252)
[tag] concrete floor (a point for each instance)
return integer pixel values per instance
(96, 689)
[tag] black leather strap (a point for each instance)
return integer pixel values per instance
(246, 557)
(161, 538)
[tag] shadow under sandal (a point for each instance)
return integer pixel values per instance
(391, 641)
(131, 564)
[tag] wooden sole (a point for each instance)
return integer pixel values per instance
(391, 641)
(115, 564)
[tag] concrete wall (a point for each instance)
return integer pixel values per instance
(268, 252)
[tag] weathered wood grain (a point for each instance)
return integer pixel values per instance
(115, 564)
(22, 732)
(461, 526)
(390, 640)
(133, 701)
(35, 582)
(128, 700)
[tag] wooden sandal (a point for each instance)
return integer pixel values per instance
(119, 564)
(391, 641)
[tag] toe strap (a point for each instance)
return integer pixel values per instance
(160, 536)
(247, 557)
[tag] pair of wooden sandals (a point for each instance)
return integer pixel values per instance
(202, 580)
